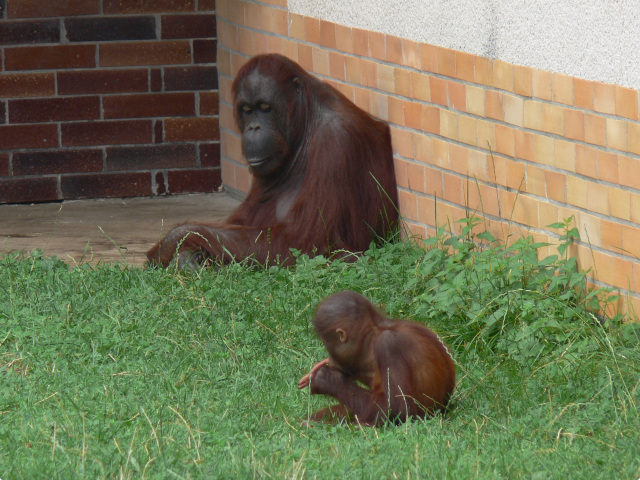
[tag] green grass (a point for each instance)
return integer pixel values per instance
(112, 372)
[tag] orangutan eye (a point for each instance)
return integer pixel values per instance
(265, 107)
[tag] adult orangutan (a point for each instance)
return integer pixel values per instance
(406, 368)
(323, 178)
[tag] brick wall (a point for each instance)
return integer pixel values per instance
(107, 98)
(520, 147)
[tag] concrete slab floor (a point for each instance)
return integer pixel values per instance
(106, 230)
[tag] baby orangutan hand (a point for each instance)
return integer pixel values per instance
(304, 381)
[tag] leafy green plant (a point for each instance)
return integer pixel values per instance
(503, 297)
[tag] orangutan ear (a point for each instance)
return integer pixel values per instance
(342, 335)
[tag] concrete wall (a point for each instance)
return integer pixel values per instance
(519, 146)
(592, 40)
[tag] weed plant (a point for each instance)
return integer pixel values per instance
(120, 372)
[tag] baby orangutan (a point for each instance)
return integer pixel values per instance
(407, 368)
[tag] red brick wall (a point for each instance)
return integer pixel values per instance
(107, 98)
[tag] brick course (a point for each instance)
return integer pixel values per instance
(39, 31)
(27, 85)
(149, 105)
(145, 53)
(54, 109)
(79, 82)
(35, 136)
(21, 190)
(50, 57)
(107, 98)
(149, 6)
(151, 157)
(103, 29)
(106, 133)
(105, 185)
(188, 26)
(191, 78)
(57, 162)
(51, 8)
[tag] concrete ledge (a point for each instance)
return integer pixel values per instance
(107, 230)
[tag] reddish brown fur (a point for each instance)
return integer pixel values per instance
(337, 190)
(406, 367)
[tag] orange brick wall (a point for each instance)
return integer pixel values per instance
(523, 148)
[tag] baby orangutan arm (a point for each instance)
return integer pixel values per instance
(365, 404)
